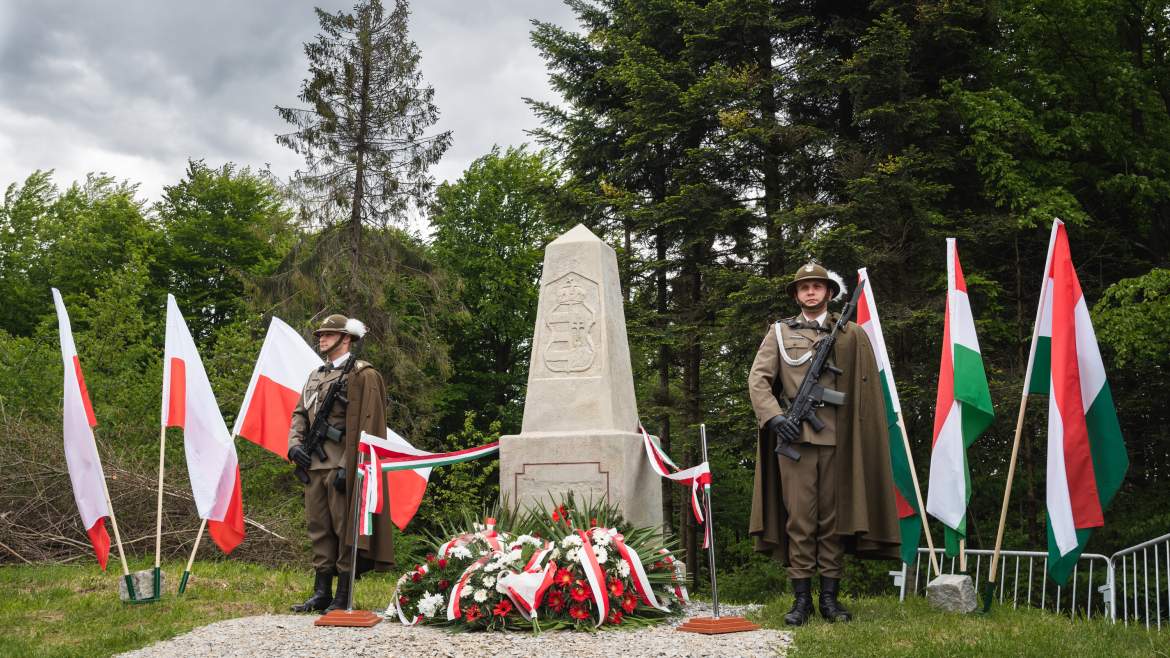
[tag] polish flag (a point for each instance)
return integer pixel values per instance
(406, 486)
(81, 456)
(280, 375)
(187, 402)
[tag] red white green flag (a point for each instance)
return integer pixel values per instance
(1087, 460)
(905, 496)
(962, 411)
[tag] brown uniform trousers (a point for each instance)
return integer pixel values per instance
(808, 486)
(325, 506)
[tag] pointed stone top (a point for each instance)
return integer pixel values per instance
(577, 234)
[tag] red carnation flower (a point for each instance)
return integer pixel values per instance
(593, 521)
(430, 557)
(502, 608)
(615, 617)
(402, 600)
(555, 599)
(416, 577)
(578, 612)
(444, 583)
(442, 563)
(629, 602)
(471, 613)
(579, 593)
(616, 587)
(564, 578)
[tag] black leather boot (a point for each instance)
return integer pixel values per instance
(802, 607)
(831, 609)
(341, 599)
(322, 594)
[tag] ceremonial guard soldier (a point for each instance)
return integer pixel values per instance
(837, 497)
(342, 398)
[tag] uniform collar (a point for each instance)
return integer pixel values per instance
(340, 360)
(820, 319)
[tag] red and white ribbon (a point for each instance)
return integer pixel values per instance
(638, 573)
(695, 476)
(680, 587)
(526, 589)
(398, 604)
(596, 577)
(453, 609)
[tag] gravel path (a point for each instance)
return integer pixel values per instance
(276, 636)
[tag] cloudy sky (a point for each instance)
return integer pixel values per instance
(134, 88)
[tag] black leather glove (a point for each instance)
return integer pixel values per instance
(298, 455)
(783, 429)
(339, 481)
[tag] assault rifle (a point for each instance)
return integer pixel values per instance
(811, 393)
(321, 431)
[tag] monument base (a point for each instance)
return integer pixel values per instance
(538, 468)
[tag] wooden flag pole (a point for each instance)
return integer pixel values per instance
(963, 555)
(918, 494)
(191, 560)
(162, 460)
(118, 541)
(989, 588)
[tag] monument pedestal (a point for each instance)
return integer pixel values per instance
(543, 466)
(580, 426)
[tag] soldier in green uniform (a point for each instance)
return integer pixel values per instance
(838, 497)
(328, 495)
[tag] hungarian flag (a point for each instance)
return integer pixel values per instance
(1086, 455)
(280, 374)
(406, 486)
(81, 456)
(187, 402)
(962, 411)
(909, 518)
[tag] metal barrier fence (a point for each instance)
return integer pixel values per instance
(1115, 587)
(1132, 569)
(1023, 580)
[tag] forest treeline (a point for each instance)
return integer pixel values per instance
(717, 146)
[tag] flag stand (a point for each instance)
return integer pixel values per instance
(156, 576)
(713, 625)
(918, 495)
(349, 616)
(191, 561)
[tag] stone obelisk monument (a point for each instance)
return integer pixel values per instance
(580, 430)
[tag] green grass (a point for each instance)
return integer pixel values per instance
(75, 610)
(884, 627)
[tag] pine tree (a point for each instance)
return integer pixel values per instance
(363, 135)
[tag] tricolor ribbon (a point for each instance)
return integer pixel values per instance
(396, 460)
(595, 576)
(371, 502)
(638, 571)
(695, 476)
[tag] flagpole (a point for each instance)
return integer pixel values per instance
(918, 495)
(191, 560)
(118, 540)
(162, 456)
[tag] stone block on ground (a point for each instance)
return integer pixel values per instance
(143, 585)
(952, 593)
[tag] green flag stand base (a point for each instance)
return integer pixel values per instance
(157, 587)
(988, 596)
(183, 581)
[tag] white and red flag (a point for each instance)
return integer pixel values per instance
(406, 486)
(81, 455)
(962, 412)
(1087, 460)
(188, 402)
(281, 371)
